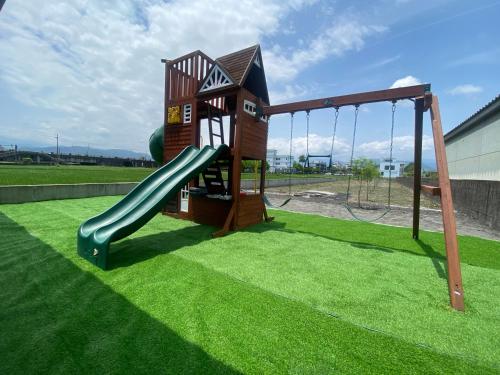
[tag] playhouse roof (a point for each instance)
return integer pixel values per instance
(234, 70)
(237, 64)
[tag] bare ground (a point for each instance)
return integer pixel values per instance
(319, 199)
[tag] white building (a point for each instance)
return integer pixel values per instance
(473, 147)
(391, 169)
(473, 153)
(278, 163)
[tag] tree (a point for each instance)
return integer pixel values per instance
(365, 170)
(370, 172)
(302, 159)
(247, 165)
(356, 168)
(298, 166)
(409, 169)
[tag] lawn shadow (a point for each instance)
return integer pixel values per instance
(278, 226)
(435, 258)
(428, 251)
(138, 249)
(135, 250)
(56, 318)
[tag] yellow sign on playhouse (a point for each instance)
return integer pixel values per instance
(174, 114)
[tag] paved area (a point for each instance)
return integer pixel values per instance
(332, 205)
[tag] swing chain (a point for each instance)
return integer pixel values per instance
(307, 136)
(333, 136)
(356, 111)
(290, 155)
(390, 153)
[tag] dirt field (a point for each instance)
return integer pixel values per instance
(401, 214)
(377, 194)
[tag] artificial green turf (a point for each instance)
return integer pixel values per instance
(303, 294)
(77, 174)
(69, 174)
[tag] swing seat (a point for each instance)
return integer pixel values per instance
(268, 203)
(353, 214)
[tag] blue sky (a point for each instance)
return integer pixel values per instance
(91, 71)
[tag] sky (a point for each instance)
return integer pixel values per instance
(91, 71)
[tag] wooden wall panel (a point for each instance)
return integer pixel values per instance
(254, 143)
(177, 138)
(209, 211)
(253, 133)
(250, 212)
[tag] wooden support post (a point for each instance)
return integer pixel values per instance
(417, 164)
(227, 224)
(449, 224)
(167, 92)
(236, 174)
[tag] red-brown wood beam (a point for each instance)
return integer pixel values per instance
(433, 190)
(167, 92)
(417, 164)
(400, 93)
(450, 229)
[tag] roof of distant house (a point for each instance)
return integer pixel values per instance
(475, 120)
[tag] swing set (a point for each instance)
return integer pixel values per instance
(424, 100)
(309, 156)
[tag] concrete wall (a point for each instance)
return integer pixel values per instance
(478, 199)
(475, 155)
(249, 184)
(34, 193)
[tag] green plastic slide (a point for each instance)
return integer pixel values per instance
(142, 203)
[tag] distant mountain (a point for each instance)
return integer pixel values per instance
(82, 150)
(429, 165)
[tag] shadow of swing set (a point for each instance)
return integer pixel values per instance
(198, 88)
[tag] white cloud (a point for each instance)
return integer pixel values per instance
(92, 66)
(405, 81)
(401, 146)
(465, 90)
(491, 56)
(318, 145)
(383, 62)
(288, 93)
(343, 36)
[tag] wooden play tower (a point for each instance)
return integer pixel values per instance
(232, 87)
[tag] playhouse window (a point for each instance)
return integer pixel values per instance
(187, 113)
(249, 107)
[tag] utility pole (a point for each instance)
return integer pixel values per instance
(57, 147)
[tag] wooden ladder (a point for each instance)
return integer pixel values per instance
(212, 176)
(217, 119)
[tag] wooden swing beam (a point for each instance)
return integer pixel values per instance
(410, 92)
(424, 100)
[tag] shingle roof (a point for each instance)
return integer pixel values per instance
(474, 120)
(237, 63)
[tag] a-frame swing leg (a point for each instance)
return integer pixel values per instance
(449, 224)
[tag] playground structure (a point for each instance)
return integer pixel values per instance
(234, 87)
(231, 88)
